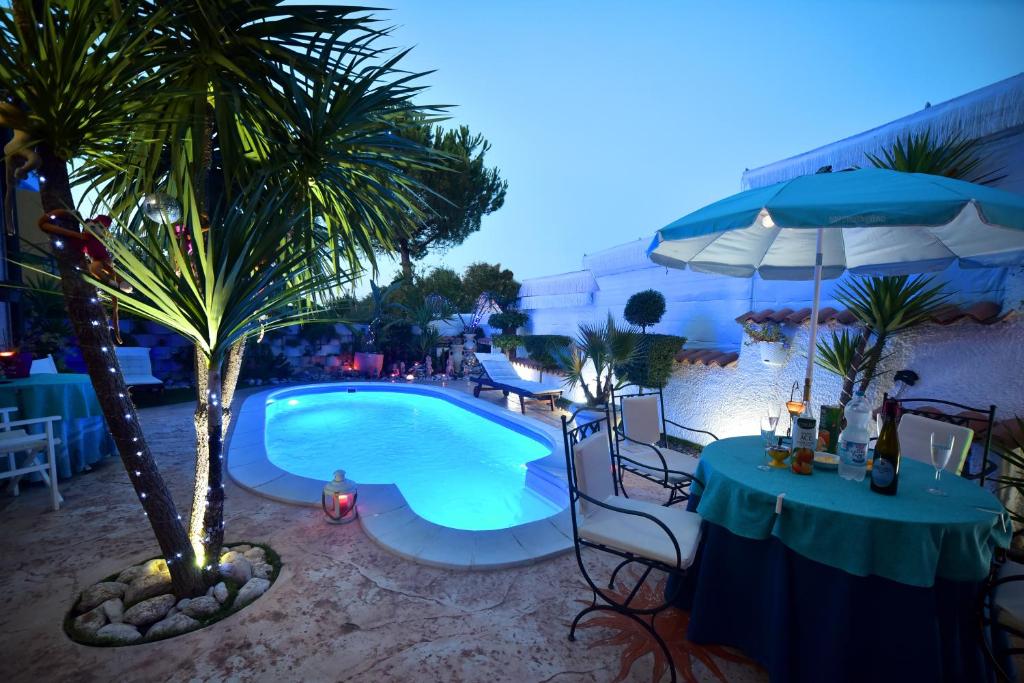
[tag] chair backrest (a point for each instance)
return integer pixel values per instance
(640, 419)
(44, 366)
(915, 440)
(497, 367)
(134, 360)
(593, 468)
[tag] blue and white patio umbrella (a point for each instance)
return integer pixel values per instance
(867, 221)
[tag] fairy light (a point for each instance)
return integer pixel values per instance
(59, 244)
(95, 323)
(138, 473)
(142, 495)
(138, 453)
(103, 349)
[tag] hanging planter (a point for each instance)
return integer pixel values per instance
(770, 341)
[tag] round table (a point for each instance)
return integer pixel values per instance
(81, 429)
(842, 583)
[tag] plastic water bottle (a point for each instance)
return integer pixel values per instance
(853, 441)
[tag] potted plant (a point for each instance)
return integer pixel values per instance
(769, 339)
(590, 363)
(369, 361)
(508, 321)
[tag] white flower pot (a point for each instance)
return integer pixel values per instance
(772, 353)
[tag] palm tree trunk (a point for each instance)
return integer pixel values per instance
(851, 372)
(873, 360)
(89, 323)
(213, 520)
(201, 420)
(403, 249)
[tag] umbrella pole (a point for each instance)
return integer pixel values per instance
(812, 337)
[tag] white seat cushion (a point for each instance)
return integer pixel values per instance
(641, 536)
(640, 419)
(19, 440)
(650, 463)
(915, 432)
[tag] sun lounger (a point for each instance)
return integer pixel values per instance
(499, 375)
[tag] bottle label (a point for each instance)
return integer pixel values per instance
(883, 473)
(805, 435)
(853, 453)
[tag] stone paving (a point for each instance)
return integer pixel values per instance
(343, 608)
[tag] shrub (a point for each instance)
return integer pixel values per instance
(542, 348)
(764, 332)
(652, 365)
(508, 321)
(645, 308)
(507, 342)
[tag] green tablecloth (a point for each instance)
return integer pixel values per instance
(82, 430)
(912, 537)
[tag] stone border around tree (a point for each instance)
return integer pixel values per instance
(136, 606)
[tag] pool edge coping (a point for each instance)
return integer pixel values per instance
(381, 505)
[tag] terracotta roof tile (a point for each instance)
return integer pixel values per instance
(983, 312)
(708, 357)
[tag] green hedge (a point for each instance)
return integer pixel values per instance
(653, 363)
(540, 347)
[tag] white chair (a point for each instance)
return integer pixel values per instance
(640, 533)
(641, 440)
(915, 432)
(14, 441)
(43, 366)
(136, 366)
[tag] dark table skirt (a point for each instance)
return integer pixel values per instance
(806, 621)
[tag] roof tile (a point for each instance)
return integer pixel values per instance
(983, 312)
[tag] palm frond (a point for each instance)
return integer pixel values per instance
(954, 157)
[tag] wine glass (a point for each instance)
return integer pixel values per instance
(769, 422)
(942, 448)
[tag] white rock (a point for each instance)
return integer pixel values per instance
(171, 626)
(201, 607)
(209, 591)
(147, 586)
(182, 604)
(243, 548)
(220, 592)
(256, 555)
(90, 622)
(262, 570)
(97, 594)
(237, 568)
(114, 609)
(253, 589)
(119, 633)
(149, 611)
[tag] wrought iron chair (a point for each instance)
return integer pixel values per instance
(981, 422)
(641, 442)
(637, 532)
(1001, 613)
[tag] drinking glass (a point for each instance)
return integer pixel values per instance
(942, 448)
(769, 422)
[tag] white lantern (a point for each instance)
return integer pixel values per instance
(339, 499)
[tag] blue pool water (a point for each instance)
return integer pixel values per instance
(455, 468)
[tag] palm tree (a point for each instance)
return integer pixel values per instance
(219, 282)
(300, 96)
(954, 157)
(54, 59)
(605, 347)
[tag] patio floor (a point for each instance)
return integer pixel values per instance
(342, 609)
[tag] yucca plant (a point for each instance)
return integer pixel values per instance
(884, 306)
(217, 287)
(79, 77)
(605, 347)
(303, 96)
(954, 157)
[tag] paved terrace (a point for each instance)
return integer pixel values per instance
(343, 609)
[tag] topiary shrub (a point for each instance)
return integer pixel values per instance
(645, 308)
(508, 321)
(652, 365)
(542, 348)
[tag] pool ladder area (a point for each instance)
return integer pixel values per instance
(547, 482)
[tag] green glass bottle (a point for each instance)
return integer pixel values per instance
(885, 470)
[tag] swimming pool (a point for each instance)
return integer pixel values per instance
(456, 467)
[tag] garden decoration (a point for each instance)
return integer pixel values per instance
(100, 262)
(818, 226)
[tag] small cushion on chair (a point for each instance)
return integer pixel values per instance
(641, 536)
(19, 440)
(640, 419)
(592, 462)
(679, 464)
(1008, 598)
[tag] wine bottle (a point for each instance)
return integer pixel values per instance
(885, 472)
